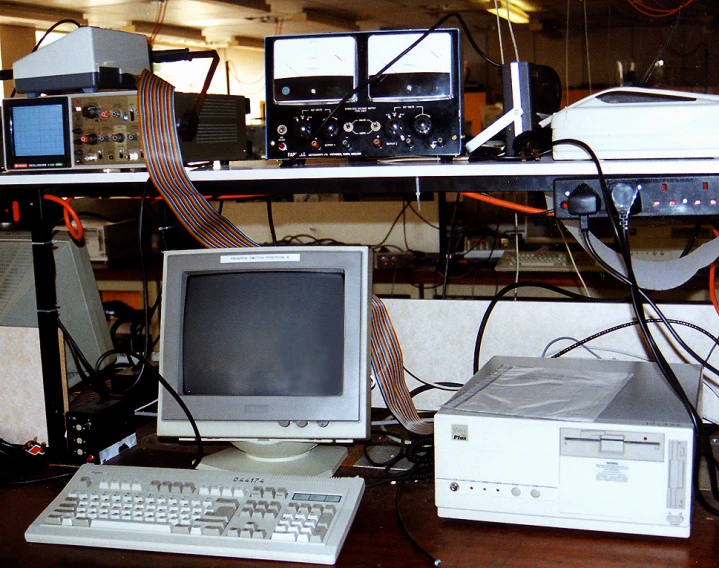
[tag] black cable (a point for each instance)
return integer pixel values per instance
(147, 343)
(433, 385)
(606, 195)
(425, 221)
(692, 239)
(498, 296)
(86, 371)
(271, 222)
(702, 444)
(392, 226)
(41, 479)
(646, 299)
(405, 530)
(47, 33)
(387, 465)
(148, 366)
(424, 388)
(448, 253)
(635, 323)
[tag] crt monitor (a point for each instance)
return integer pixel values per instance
(268, 348)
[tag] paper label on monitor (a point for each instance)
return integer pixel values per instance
(271, 257)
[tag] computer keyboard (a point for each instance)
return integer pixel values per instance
(546, 261)
(214, 513)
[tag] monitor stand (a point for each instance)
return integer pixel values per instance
(278, 457)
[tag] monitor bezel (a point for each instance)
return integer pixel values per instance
(342, 417)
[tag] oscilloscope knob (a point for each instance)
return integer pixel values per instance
(422, 124)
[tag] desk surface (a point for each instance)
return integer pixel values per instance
(375, 539)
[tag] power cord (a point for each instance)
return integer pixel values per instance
(420, 452)
(618, 205)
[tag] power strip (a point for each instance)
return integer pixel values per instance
(658, 196)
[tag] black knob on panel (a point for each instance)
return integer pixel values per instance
(332, 128)
(393, 127)
(90, 111)
(302, 129)
(422, 124)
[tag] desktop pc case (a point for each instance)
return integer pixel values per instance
(572, 443)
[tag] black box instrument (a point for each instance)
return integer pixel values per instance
(326, 96)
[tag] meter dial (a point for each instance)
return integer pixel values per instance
(311, 69)
(425, 72)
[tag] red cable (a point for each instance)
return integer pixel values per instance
(653, 12)
(70, 216)
(508, 204)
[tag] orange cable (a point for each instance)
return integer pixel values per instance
(712, 279)
(507, 204)
(70, 215)
(654, 12)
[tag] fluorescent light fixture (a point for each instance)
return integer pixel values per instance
(516, 15)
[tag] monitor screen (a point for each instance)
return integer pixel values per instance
(36, 133)
(303, 357)
(267, 344)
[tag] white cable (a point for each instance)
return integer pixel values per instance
(593, 350)
(511, 31)
(565, 338)
(571, 259)
(499, 32)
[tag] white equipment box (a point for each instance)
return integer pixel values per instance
(627, 123)
(573, 443)
(87, 59)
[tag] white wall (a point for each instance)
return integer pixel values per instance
(362, 222)
(438, 336)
